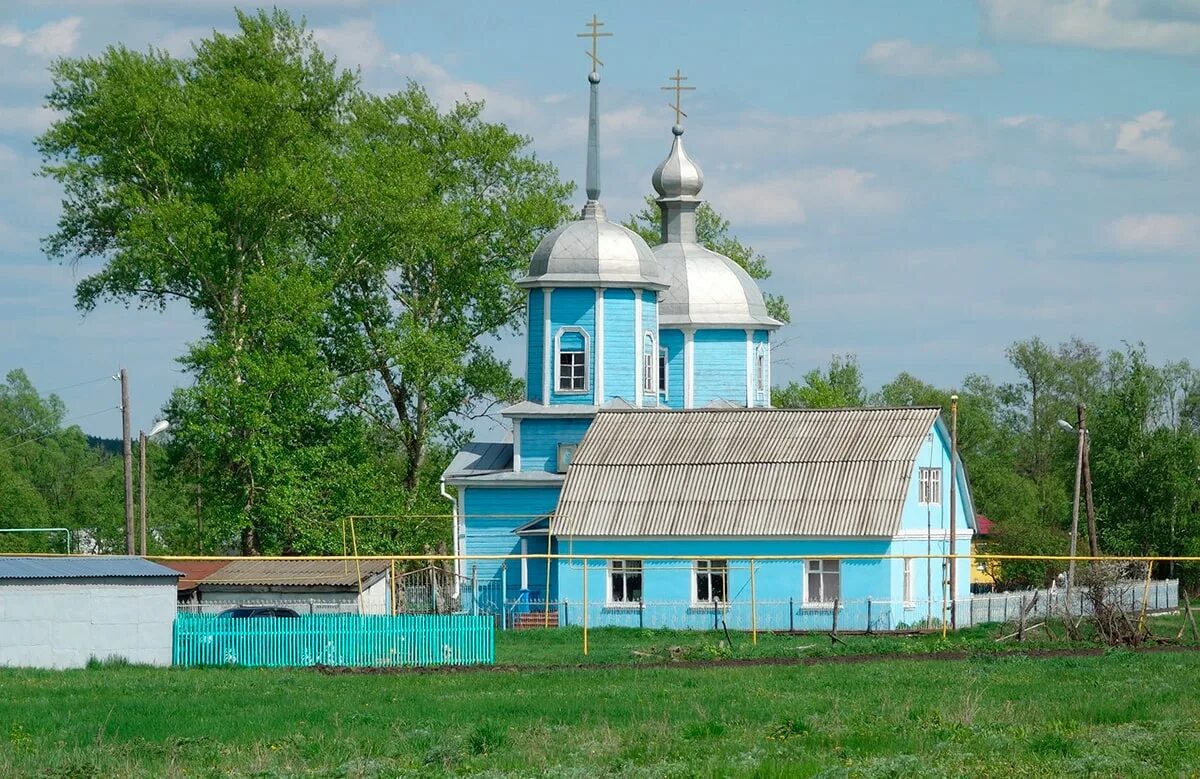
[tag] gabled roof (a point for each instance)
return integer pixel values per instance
(82, 567)
(300, 572)
(752, 472)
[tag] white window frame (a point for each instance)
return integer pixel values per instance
(760, 373)
(708, 569)
(649, 365)
(907, 584)
(587, 353)
(823, 568)
(624, 568)
(929, 485)
(565, 453)
(664, 372)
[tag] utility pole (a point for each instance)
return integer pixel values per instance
(1075, 506)
(142, 488)
(953, 523)
(127, 446)
(1093, 539)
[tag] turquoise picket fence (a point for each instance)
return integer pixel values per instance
(335, 639)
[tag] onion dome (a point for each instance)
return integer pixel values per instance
(678, 175)
(706, 289)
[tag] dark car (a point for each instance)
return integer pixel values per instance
(246, 612)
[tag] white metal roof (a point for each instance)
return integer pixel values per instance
(752, 472)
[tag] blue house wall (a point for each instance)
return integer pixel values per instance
(619, 355)
(540, 437)
(672, 341)
(720, 372)
(573, 308)
(490, 515)
(536, 357)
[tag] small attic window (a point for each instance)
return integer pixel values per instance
(566, 452)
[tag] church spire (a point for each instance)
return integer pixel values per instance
(593, 209)
(678, 179)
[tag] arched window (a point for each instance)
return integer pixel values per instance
(649, 365)
(760, 373)
(571, 360)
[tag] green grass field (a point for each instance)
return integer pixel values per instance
(1116, 714)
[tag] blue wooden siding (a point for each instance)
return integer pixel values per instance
(574, 308)
(619, 354)
(535, 353)
(935, 453)
(779, 584)
(720, 372)
(490, 515)
(650, 325)
(540, 437)
(672, 341)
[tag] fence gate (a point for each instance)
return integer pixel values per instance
(334, 639)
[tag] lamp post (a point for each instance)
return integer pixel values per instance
(143, 436)
(1081, 458)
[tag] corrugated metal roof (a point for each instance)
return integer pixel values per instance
(83, 567)
(756, 472)
(193, 570)
(295, 573)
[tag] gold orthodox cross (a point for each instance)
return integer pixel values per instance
(678, 89)
(595, 35)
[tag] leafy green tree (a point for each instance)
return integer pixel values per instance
(840, 386)
(436, 216)
(712, 232)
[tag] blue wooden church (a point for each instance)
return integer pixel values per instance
(646, 433)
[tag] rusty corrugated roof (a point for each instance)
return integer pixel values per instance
(193, 570)
(296, 573)
(753, 472)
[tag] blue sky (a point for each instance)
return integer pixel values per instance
(929, 181)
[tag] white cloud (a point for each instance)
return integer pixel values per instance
(1148, 137)
(1155, 232)
(790, 199)
(25, 120)
(53, 39)
(903, 58)
(1100, 24)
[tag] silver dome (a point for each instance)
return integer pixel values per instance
(708, 290)
(678, 175)
(593, 252)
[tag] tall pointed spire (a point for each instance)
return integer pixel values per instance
(593, 208)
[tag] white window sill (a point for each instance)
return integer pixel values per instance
(572, 392)
(821, 606)
(709, 605)
(624, 606)
(909, 605)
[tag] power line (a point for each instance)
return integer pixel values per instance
(52, 432)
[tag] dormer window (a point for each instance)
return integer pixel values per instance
(571, 348)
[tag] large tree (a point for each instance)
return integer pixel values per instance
(436, 216)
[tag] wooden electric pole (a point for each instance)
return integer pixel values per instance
(127, 446)
(953, 522)
(1093, 539)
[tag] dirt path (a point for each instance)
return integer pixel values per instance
(748, 662)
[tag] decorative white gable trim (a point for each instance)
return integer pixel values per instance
(749, 368)
(637, 347)
(549, 361)
(689, 368)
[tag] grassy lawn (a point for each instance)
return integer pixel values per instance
(1117, 714)
(622, 646)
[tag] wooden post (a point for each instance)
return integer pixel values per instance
(836, 604)
(753, 608)
(1093, 540)
(953, 522)
(127, 454)
(1187, 607)
(546, 593)
(585, 606)
(393, 586)
(504, 595)
(475, 589)
(1021, 621)
(868, 616)
(1075, 505)
(142, 489)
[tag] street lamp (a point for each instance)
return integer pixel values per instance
(143, 436)
(1069, 428)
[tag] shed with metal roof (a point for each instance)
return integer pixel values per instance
(60, 612)
(306, 585)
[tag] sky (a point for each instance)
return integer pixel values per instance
(929, 181)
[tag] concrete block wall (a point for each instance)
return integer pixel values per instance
(64, 623)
